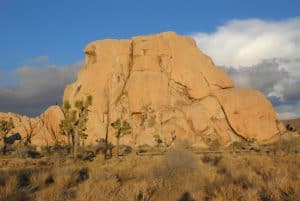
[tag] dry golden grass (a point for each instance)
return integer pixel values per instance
(175, 176)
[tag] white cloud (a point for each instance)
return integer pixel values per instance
(241, 43)
(260, 54)
(286, 115)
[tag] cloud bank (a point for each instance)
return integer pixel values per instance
(260, 54)
(32, 88)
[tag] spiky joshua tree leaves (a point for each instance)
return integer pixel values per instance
(122, 128)
(5, 128)
(74, 124)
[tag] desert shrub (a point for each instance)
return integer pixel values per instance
(24, 178)
(239, 145)
(143, 148)
(214, 144)
(57, 149)
(211, 159)
(176, 162)
(78, 176)
(86, 155)
(291, 145)
(27, 152)
(4, 177)
(104, 147)
(19, 196)
(7, 187)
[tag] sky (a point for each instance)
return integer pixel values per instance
(41, 43)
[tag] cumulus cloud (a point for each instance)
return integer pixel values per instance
(241, 43)
(34, 88)
(260, 54)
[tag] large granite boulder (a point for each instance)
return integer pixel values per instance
(164, 85)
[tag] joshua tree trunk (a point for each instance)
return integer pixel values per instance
(69, 140)
(82, 144)
(106, 136)
(75, 144)
(4, 147)
(118, 142)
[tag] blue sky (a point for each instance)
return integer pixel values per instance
(60, 29)
(42, 41)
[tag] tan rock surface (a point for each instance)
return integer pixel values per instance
(249, 113)
(163, 84)
(51, 119)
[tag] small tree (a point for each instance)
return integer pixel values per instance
(74, 124)
(5, 128)
(122, 128)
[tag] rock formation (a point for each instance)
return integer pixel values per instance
(164, 85)
(42, 130)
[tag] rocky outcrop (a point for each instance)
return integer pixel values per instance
(164, 85)
(42, 130)
(50, 121)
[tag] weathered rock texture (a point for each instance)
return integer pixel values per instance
(163, 84)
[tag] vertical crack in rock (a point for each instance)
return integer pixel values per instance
(129, 73)
(227, 119)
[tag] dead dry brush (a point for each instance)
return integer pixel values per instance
(177, 175)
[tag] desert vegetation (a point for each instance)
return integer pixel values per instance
(122, 128)
(5, 128)
(240, 172)
(74, 124)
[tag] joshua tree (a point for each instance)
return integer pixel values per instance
(122, 128)
(5, 128)
(74, 124)
(30, 130)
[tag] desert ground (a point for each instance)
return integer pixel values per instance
(243, 171)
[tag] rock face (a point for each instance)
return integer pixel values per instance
(42, 130)
(164, 85)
